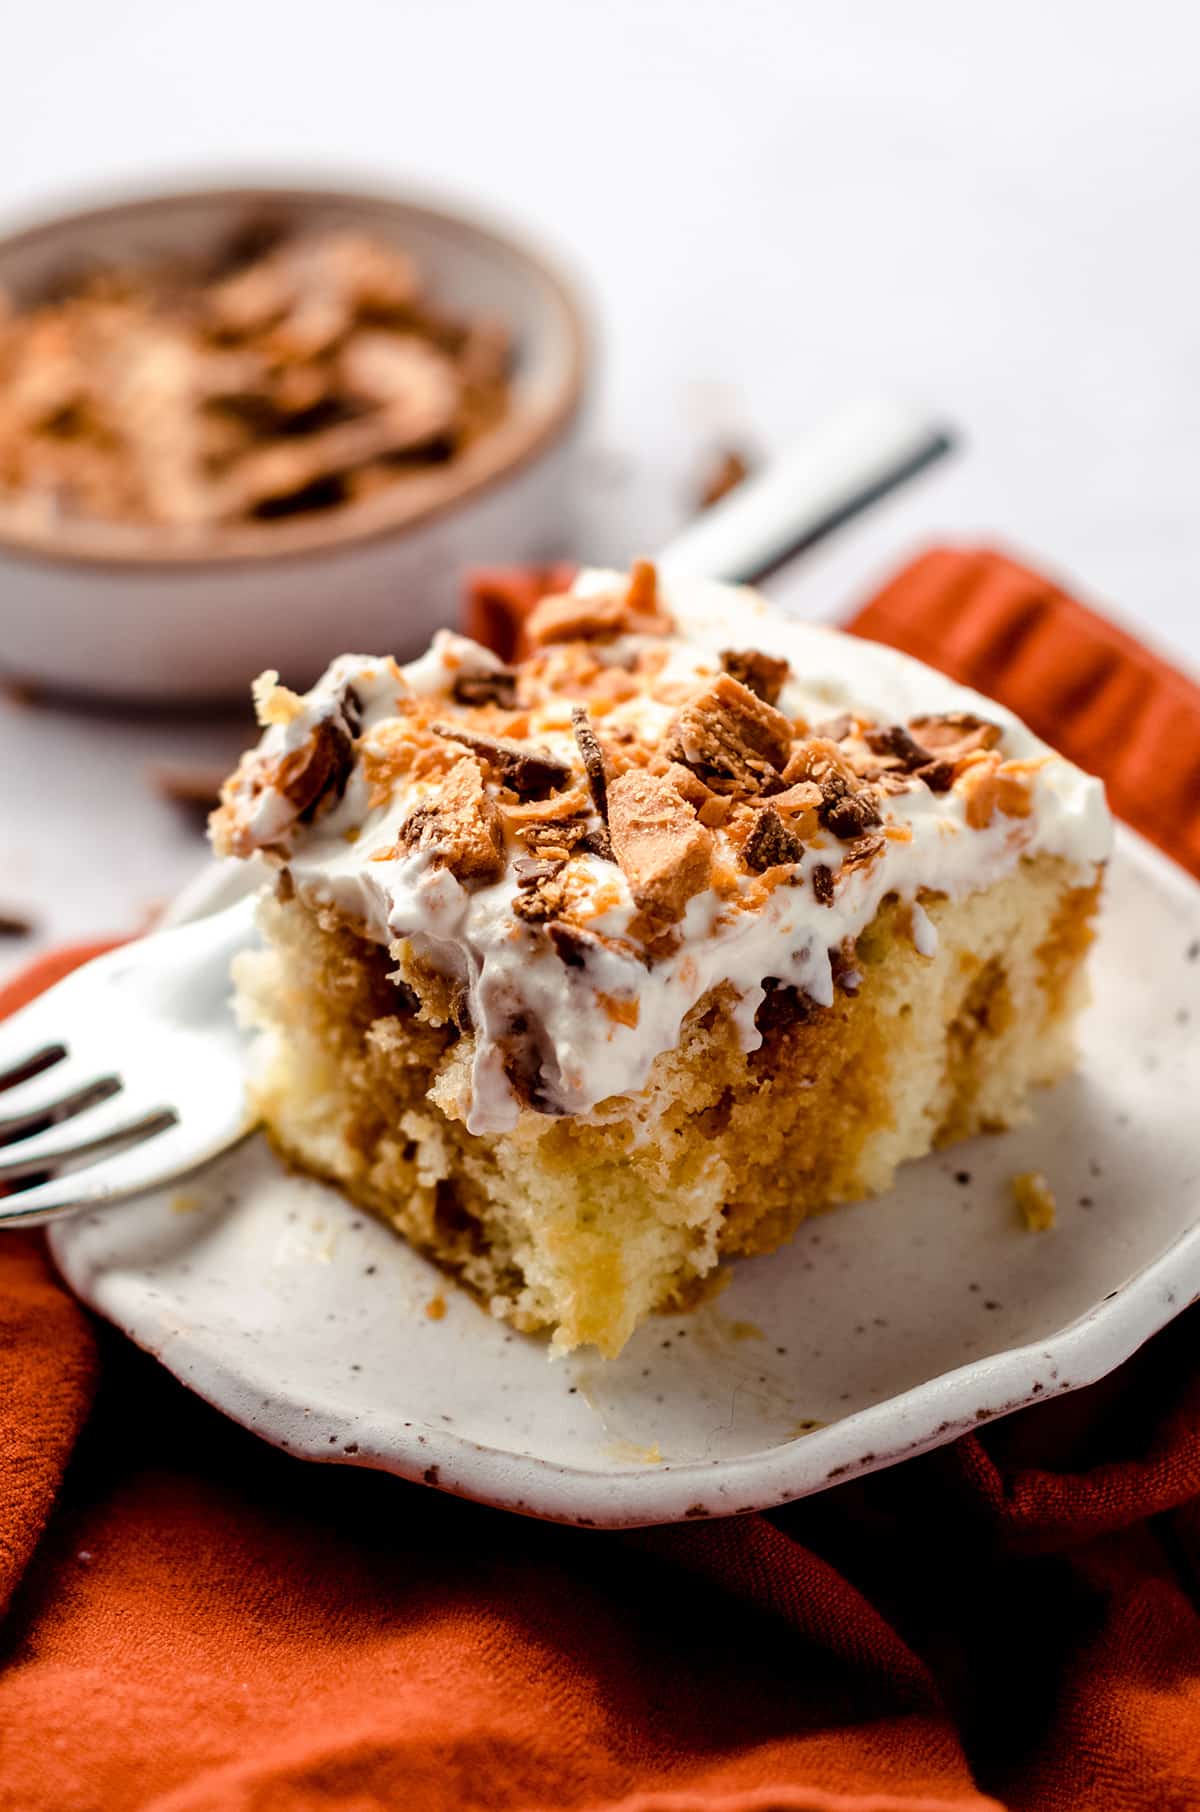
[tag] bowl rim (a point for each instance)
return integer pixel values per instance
(508, 449)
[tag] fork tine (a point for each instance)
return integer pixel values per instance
(33, 1065)
(53, 1113)
(28, 1173)
(154, 1010)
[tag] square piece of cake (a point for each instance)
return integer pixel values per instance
(589, 973)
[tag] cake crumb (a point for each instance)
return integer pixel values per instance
(435, 1308)
(635, 1453)
(1035, 1201)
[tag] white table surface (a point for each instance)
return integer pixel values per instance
(776, 207)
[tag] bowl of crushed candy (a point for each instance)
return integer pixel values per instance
(251, 426)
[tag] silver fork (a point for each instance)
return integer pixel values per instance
(126, 1075)
(140, 1047)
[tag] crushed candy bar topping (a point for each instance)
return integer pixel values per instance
(995, 787)
(897, 748)
(460, 828)
(284, 375)
(938, 775)
(530, 772)
(771, 844)
(661, 846)
(486, 686)
(732, 739)
(821, 877)
(846, 805)
(311, 773)
(273, 703)
(954, 734)
(593, 759)
(275, 789)
(641, 596)
(844, 810)
(761, 673)
(541, 891)
(585, 843)
(626, 608)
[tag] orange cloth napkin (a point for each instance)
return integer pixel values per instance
(191, 1621)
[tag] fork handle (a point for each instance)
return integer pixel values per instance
(822, 480)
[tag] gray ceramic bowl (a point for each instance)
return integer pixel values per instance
(128, 611)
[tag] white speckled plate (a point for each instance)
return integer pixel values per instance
(884, 1329)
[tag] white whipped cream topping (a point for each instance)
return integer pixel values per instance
(512, 972)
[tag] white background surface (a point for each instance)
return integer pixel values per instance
(776, 206)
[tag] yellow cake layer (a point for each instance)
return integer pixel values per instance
(585, 1224)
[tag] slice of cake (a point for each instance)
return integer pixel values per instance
(589, 973)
